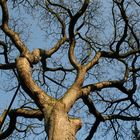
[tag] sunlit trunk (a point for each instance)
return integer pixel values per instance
(60, 127)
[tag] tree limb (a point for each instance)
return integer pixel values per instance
(13, 114)
(9, 32)
(73, 21)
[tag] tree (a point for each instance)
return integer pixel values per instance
(90, 69)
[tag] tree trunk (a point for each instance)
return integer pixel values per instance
(59, 126)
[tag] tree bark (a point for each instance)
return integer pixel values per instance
(59, 126)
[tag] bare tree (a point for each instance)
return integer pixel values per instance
(89, 67)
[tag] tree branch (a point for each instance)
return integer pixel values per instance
(60, 6)
(92, 109)
(63, 25)
(93, 129)
(105, 84)
(121, 117)
(13, 114)
(30, 87)
(9, 32)
(10, 128)
(56, 47)
(73, 21)
(8, 66)
(93, 62)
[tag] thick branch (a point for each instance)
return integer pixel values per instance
(93, 129)
(21, 112)
(8, 66)
(138, 3)
(13, 114)
(30, 87)
(94, 61)
(13, 35)
(5, 47)
(73, 21)
(121, 55)
(10, 128)
(74, 92)
(59, 69)
(92, 109)
(105, 84)
(122, 38)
